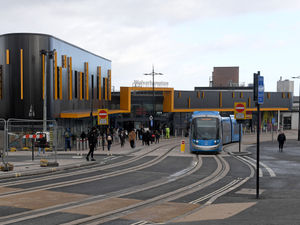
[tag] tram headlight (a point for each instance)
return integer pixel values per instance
(196, 141)
(217, 141)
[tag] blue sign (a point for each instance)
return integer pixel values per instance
(273, 121)
(261, 90)
(151, 123)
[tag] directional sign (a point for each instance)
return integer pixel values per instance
(102, 116)
(260, 90)
(240, 110)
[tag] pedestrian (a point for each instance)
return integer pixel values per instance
(92, 138)
(109, 142)
(82, 139)
(167, 132)
(67, 136)
(122, 138)
(147, 138)
(281, 139)
(131, 138)
(157, 136)
(42, 144)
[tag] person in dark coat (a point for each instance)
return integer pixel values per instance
(281, 139)
(92, 138)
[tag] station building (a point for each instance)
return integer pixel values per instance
(78, 82)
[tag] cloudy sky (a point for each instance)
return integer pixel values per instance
(183, 39)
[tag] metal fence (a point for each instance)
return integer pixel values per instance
(23, 136)
(2, 139)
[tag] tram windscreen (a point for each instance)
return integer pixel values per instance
(205, 128)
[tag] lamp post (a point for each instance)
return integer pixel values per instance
(50, 54)
(298, 77)
(153, 92)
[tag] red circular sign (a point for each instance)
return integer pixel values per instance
(240, 108)
(102, 114)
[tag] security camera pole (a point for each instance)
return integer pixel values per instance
(153, 94)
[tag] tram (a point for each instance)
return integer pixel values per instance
(209, 131)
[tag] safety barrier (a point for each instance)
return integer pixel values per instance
(25, 135)
(3, 139)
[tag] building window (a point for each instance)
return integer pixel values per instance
(1, 82)
(58, 83)
(97, 87)
(92, 86)
(76, 84)
(82, 85)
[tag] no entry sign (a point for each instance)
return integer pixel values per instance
(240, 107)
(240, 110)
(102, 116)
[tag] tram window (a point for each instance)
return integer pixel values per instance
(205, 128)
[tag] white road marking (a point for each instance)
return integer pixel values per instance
(270, 171)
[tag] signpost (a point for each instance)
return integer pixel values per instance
(102, 116)
(258, 96)
(240, 110)
(240, 116)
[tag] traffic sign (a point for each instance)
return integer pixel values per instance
(261, 89)
(240, 110)
(102, 116)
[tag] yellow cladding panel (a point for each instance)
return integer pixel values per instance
(60, 83)
(189, 102)
(105, 94)
(21, 71)
(249, 102)
(233, 94)
(168, 103)
(64, 61)
(125, 98)
(198, 94)
(7, 56)
(86, 67)
(70, 79)
(221, 105)
(55, 75)
(202, 94)
(99, 74)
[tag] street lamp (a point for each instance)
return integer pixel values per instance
(153, 92)
(50, 54)
(298, 77)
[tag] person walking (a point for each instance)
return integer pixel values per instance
(131, 138)
(92, 139)
(42, 144)
(122, 138)
(157, 136)
(167, 132)
(67, 136)
(281, 139)
(109, 142)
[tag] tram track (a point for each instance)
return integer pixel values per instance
(99, 166)
(220, 172)
(195, 165)
(96, 177)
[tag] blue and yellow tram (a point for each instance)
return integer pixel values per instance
(209, 131)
